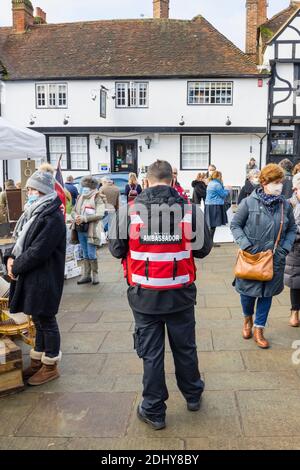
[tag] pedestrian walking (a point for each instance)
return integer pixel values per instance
(250, 184)
(264, 221)
(158, 261)
(251, 166)
(8, 186)
(87, 215)
(133, 188)
(199, 185)
(36, 266)
(112, 194)
(215, 212)
(70, 186)
(287, 166)
(176, 185)
(292, 268)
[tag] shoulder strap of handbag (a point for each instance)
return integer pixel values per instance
(280, 229)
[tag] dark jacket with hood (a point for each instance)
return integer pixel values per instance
(246, 190)
(40, 268)
(150, 301)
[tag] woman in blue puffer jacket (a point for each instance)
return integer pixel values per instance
(215, 213)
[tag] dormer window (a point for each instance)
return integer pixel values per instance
(51, 95)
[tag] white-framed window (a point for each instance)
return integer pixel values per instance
(195, 152)
(132, 94)
(74, 150)
(51, 95)
(79, 152)
(207, 92)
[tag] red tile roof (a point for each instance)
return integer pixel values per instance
(122, 48)
(274, 24)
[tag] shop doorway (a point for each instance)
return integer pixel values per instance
(124, 156)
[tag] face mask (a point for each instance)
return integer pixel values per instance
(275, 189)
(32, 198)
(85, 191)
(255, 181)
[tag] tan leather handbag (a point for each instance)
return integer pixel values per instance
(258, 267)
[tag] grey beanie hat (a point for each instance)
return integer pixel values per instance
(89, 182)
(42, 181)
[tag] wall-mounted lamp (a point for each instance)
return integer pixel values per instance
(32, 120)
(98, 142)
(113, 97)
(94, 95)
(148, 142)
(228, 122)
(141, 148)
(106, 148)
(66, 120)
(181, 123)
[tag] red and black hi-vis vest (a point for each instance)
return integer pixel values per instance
(162, 261)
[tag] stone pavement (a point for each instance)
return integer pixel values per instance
(251, 399)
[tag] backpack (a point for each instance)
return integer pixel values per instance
(132, 194)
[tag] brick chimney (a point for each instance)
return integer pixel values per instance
(161, 8)
(22, 15)
(40, 16)
(256, 16)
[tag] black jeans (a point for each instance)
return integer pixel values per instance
(149, 339)
(47, 336)
(295, 299)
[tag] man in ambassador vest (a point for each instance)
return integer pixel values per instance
(157, 237)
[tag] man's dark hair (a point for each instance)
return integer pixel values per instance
(160, 171)
(286, 165)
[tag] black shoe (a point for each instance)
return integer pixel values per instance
(157, 425)
(193, 405)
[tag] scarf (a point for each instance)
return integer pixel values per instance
(27, 218)
(269, 201)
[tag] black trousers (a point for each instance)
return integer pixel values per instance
(47, 338)
(295, 299)
(149, 340)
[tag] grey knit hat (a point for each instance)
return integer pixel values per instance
(42, 181)
(89, 182)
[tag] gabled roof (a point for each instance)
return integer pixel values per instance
(122, 48)
(272, 27)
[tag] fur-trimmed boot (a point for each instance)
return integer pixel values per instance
(35, 364)
(47, 372)
(86, 275)
(94, 266)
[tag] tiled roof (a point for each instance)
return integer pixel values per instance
(122, 48)
(274, 24)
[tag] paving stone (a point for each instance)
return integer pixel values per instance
(77, 302)
(228, 300)
(77, 383)
(117, 342)
(268, 360)
(133, 383)
(225, 325)
(261, 443)
(229, 361)
(13, 410)
(218, 412)
(89, 364)
(82, 342)
(221, 313)
(270, 413)
(116, 303)
(114, 315)
(140, 443)
(79, 415)
(102, 326)
(277, 311)
(211, 287)
(80, 317)
(32, 443)
(204, 340)
(251, 380)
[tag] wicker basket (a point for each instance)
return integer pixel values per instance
(26, 330)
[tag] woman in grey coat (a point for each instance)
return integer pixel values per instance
(292, 268)
(255, 228)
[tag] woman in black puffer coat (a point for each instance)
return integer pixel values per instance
(292, 267)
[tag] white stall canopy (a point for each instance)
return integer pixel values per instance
(20, 144)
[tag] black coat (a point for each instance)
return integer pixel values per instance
(150, 301)
(40, 268)
(199, 191)
(246, 190)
